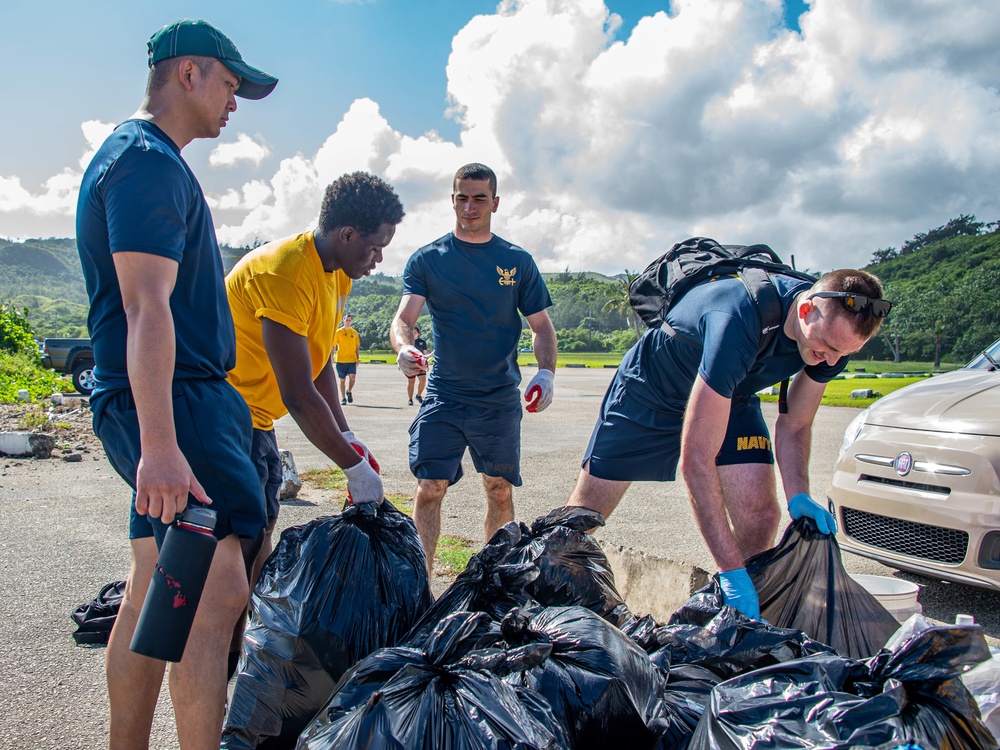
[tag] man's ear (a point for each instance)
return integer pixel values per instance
(345, 235)
(185, 72)
(805, 308)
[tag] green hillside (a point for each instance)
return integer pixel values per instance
(944, 285)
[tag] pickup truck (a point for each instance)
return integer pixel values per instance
(74, 357)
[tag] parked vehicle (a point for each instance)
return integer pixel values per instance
(917, 483)
(74, 357)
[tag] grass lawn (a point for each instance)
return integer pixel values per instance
(838, 392)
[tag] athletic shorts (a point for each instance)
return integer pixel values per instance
(264, 452)
(214, 432)
(443, 430)
(634, 443)
(346, 368)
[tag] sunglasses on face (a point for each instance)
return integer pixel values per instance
(857, 303)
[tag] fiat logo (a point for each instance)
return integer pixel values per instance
(904, 462)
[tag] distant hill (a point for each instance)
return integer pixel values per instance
(944, 285)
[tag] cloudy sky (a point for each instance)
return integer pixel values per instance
(826, 129)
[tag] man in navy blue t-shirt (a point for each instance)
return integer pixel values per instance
(475, 285)
(163, 338)
(689, 401)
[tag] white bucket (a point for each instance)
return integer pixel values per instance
(897, 596)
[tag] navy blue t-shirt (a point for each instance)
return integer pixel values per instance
(721, 317)
(474, 292)
(138, 194)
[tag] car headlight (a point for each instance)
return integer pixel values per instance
(852, 432)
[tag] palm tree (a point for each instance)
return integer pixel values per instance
(620, 304)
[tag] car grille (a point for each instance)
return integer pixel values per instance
(906, 537)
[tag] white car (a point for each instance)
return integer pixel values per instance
(917, 484)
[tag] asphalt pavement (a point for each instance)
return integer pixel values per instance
(64, 536)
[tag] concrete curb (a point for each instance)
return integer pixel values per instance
(650, 584)
(26, 444)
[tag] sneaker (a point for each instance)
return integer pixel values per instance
(350, 398)
(343, 402)
(410, 402)
(420, 399)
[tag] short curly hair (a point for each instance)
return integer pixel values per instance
(362, 201)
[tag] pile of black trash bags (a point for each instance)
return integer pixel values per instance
(532, 647)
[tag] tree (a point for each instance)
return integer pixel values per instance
(620, 303)
(15, 331)
(964, 225)
(881, 255)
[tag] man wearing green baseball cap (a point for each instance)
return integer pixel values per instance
(163, 339)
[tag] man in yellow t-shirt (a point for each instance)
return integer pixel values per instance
(346, 347)
(286, 298)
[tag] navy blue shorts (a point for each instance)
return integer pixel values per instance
(264, 452)
(633, 443)
(346, 368)
(443, 430)
(214, 432)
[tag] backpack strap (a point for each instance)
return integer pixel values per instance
(765, 295)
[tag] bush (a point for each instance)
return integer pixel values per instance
(15, 331)
(21, 370)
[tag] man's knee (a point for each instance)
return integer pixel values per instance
(430, 492)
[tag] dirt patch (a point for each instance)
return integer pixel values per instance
(69, 424)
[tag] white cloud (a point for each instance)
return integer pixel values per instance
(876, 122)
(244, 149)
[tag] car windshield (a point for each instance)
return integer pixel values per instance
(988, 360)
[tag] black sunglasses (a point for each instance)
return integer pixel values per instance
(857, 303)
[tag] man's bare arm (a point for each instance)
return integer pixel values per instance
(793, 434)
(705, 423)
(164, 478)
(543, 339)
(289, 355)
(401, 330)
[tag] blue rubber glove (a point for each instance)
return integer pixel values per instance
(803, 505)
(738, 592)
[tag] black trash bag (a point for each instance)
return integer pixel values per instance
(802, 584)
(698, 657)
(96, 618)
(333, 591)
(680, 706)
(573, 569)
(601, 686)
(430, 700)
(489, 584)
(911, 692)
(730, 644)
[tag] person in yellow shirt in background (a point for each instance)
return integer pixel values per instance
(286, 298)
(346, 350)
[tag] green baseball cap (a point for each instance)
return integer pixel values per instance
(189, 37)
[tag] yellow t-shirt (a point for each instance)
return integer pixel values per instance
(345, 345)
(283, 281)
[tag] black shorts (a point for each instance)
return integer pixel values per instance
(267, 461)
(214, 432)
(442, 430)
(633, 443)
(346, 368)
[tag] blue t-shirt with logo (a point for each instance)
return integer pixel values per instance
(719, 315)
(474, 292)
(139, 195)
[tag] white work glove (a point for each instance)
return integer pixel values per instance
(539, 391)
(411, 361)
(364, 485)
(362, 449)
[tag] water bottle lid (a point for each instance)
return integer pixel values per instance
(199, 516)
(965, 620)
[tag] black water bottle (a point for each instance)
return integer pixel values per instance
(178, 580)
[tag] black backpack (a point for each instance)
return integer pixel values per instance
(96, 617)
(699, 259)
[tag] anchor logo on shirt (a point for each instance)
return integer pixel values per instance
(506, 277)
